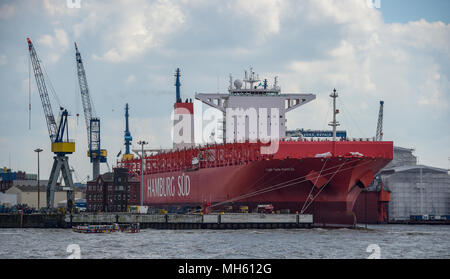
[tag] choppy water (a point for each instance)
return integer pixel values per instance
(394, 241)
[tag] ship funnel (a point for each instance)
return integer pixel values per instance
(183, 121)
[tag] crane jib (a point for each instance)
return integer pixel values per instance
(43, 93)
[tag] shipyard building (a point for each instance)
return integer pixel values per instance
(415, 189)
(405, 190)
(19, 187)
(28, 194)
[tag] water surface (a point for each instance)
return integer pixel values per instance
(394, 241)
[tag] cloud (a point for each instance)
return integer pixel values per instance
(265, 14)
(58, 41)
(52, 8)
(57, 8)
(131, 79)
(138, 25)
(141, 26)
(421, 35)
(434, 90)
(7, 11)
(399, 62)
(46, 40)
(3, 60)
(58, 44)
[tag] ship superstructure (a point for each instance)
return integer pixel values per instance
(253, 101)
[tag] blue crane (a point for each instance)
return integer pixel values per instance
(127, 137)
(95, 153)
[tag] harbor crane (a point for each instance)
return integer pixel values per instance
(60, 146)
(95, 153)
(127, 137)
(379, 133)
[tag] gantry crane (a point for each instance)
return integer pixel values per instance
(379, 133)
(96, 154)
(60, 146)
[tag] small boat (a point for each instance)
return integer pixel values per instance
(96, 228)
(130, 228)
(127, 228)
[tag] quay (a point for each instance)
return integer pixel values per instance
(161, 221)
(419, 222)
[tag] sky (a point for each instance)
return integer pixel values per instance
(396, 51)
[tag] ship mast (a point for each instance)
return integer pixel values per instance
(334, 123)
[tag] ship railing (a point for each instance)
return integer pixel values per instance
(209, 155)
(361, 139)
(218, 155)
(312, 139)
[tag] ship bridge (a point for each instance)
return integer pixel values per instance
(255, 101)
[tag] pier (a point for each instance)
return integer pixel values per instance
(161, 221)
(198, 221)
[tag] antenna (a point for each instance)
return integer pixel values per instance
(334, 123)
(250, 79)
(177, 85)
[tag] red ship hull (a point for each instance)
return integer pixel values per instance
(297, 178)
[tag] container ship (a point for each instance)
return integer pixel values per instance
(308, 176)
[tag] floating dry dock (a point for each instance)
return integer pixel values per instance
(198, 221)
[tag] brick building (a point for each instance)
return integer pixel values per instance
(112, 192)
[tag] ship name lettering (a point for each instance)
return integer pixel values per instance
(184, 185)
(161, 187)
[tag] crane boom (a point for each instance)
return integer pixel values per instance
(43, 93)
(379, 133)
(84, 89)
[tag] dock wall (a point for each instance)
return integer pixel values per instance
(157, 221)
